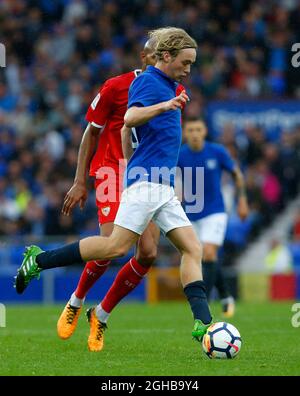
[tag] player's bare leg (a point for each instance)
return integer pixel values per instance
(147, 246)
(185, 240)
(106, 248)
(68, 319)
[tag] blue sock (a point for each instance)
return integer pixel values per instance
(61, 257)
(196, 295)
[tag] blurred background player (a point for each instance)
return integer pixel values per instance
(155, 112)
(209, 221)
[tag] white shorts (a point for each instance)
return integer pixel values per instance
(211, 229)
(145, 201)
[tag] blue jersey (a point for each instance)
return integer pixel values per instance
(158, 141)
(213, 158)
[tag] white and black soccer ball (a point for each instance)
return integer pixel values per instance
(222, 341)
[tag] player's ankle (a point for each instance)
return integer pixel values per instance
(76, 301)
(101, 314)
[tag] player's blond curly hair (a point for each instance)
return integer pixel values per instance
(171, 39)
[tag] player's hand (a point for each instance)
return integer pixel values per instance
(243, 208)
(176, 103)
(76, 195)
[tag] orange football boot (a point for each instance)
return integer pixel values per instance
(67, 322)
(97, 328)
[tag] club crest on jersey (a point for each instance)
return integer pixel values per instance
(105, 211)
(211, 163)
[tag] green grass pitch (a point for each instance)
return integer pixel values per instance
(148, 340)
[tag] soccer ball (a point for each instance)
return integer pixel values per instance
(222, 341)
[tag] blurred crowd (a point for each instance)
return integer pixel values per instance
(58, 54)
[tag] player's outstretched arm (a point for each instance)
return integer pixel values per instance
(136, 116)
(242, 205)
(78, 192)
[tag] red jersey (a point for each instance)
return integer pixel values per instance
(107, 111)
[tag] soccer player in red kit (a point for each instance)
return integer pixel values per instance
(106, 117)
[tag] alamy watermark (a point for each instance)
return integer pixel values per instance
(2, 315)
(2, 55)
(296, 57)
(296, 317)
(190, 181)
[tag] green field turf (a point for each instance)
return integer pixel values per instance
(148, 340)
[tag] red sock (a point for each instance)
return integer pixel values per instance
(91, 273)
(127, 279)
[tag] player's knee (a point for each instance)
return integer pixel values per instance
(193, 249)
(209, 257)
(196, 251)
(146, 252)
(147, 257)
(209, 253)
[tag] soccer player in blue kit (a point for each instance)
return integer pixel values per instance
(205, 208)
(154, 113)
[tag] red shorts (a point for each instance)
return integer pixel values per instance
(107, 205)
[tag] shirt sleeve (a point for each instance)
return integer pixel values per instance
(225, 159)
(102, 106)
(142, 92)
